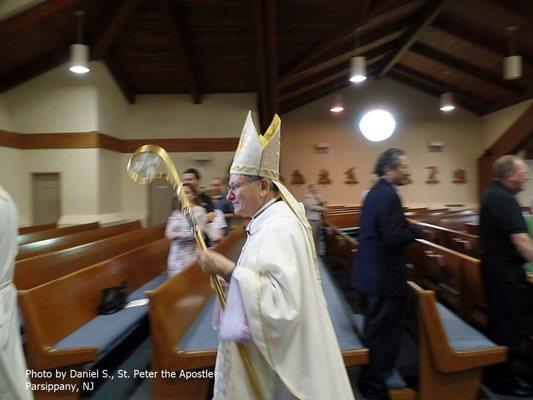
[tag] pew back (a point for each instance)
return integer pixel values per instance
(52, 233)
(36, 228)
(74, 239)
(35, 271)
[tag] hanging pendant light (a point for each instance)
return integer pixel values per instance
(512, 65)
(358, 69)
(79, 52)
(446, 102)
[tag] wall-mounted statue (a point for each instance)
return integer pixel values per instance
(297, 178)
(459, 176)
(350, 179)
(323, 177)
(432, 176)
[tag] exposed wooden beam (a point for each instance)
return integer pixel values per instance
(340, 34)
(509, 5)
(430, 12)
(368, 51)
(111, 27)
(465, 67)
(343, 71)
(181, 48)
(510, 142)
(475, 104)
(448, 24)
(512, 101)
(33, 15)
(118, 74)
(426, 88)
(26, 72)
(265, 20)
(315, 95)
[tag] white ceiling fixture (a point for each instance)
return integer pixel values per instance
(512, 65)
(336, 109)
(79, 52)
(377, 125)
(446, 102)
(358, 69)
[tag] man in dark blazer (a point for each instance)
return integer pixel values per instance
(379, 271)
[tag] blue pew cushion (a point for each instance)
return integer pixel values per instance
(106, 331)
(460, 335)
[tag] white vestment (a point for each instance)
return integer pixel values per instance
(293, 341)
(12, 362)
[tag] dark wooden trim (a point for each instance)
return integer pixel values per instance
(27, 18)
(450, 25)
(185, 145)
(430, 12)
(111, 28)
(509, 5)
(97, 140)
(26, 72)
(510, 142)
(182, 50)
(465, 67)
(10, 139)
(334, 38)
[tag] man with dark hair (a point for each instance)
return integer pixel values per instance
(507, 246)
(192, 176)
(379, 272)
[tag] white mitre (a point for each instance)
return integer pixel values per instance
(258, 154)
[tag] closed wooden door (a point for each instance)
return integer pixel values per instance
(160, 202)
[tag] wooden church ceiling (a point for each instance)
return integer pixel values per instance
(289, 51)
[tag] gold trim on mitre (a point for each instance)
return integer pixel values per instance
(258, 154)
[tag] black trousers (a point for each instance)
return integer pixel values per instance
(506, 292)
(384, 317)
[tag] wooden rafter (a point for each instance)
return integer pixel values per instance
(181, 48)
(340, 71)
(315, 95)
(448, 24)
(33, 15)
(334, 38)
(110, 29)
(26, 72)
(431, 90)
(465, 67)
(509, 5)
(430, 13)
(382, 37)
(265, 19)
(118, 74)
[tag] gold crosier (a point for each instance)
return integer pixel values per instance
(150, 162)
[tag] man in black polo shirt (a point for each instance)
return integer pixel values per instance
(507, 246)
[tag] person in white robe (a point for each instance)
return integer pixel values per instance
(12, 363)
(275, 304)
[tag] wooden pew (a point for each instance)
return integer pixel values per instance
(472, 228)
(61, 322)
(181, 310)
(452, 354)
(35, 271)
(53, 233)
(459, 241)
(347, 220)
(74, 239)
(36, 228)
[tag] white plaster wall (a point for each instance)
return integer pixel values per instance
(112, 105)
(79, 180)
(8, 8)
(6, 122)
(496, 123)
(419, 123)
(56, 101)
(176, 116)
(525, 198)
